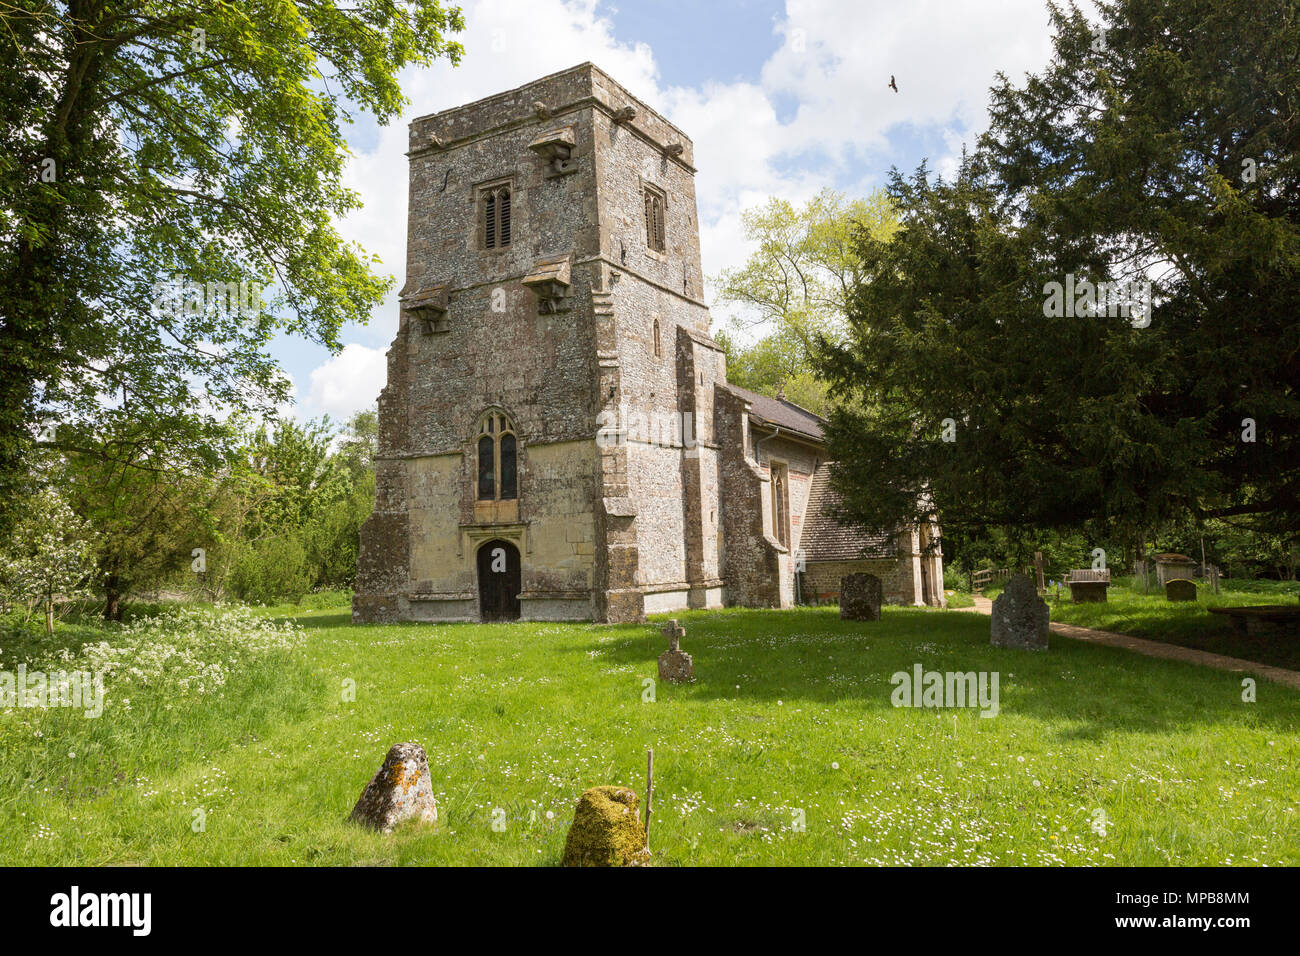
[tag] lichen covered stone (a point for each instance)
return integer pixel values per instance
(1020, 618)
(860, 596)
(606, 829)
(401, 790)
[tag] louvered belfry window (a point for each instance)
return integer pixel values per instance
(654, 221)
(496, 217)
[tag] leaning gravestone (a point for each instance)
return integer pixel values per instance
(1180, 589)
(1020, 616)
(399, 791)
(860, 597)
(606, 829)
(675, 664)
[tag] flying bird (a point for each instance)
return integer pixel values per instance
(892, 85)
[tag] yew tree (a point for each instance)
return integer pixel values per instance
(1161, 145)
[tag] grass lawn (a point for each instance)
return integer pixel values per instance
(790, 718)
(1129, 611)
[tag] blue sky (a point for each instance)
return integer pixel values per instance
(780, 99)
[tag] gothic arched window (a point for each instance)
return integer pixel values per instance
(498, 472)
(658, 350)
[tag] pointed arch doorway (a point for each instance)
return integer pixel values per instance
(498, 581)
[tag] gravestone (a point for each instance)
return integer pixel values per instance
(1020, 616)
(675, 664)
(860, 597)
(401, 790)
(606, 829)
(1180, 589)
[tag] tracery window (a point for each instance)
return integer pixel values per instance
(497, 453)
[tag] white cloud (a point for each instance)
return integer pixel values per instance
(349, 382)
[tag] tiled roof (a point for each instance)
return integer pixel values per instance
(779, 412)
(825, 538)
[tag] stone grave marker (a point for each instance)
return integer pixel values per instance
(401, 790)
(675, 664)
(1020, 616)
(860, 597)
(606, 829)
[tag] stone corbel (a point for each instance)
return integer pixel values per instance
(428, 304)
(556, 147)
(549, 281)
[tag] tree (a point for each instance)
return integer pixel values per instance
(52, 555)
(963, 390)
(146, 490)
(159, 165)
(796, 285)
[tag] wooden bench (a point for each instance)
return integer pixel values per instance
(1263, 620)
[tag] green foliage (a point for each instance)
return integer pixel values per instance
(141, 144)
(795, 286)
(291, 516)
(1121, 164)
(50, 556)
(268, 570)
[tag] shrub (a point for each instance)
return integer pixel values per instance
(270, 571)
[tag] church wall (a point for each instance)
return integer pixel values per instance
(751, 559)
(801, 461)
(821, 579)
(672, 488)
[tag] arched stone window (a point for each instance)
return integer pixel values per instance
(497, 453)
(655, 204)
(658, 350)
(496, 217)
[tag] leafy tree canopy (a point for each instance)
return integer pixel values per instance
(1160, 146)
(795, 287)
(159, 162)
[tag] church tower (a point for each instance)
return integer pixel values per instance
(546, 435)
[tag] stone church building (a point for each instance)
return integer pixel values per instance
(557, 437)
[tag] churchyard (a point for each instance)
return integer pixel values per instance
(248, 736)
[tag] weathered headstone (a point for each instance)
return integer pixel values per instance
(1020, 616)
(606, 829)
(860, 597)
(675, 664)
(401, 790)
(1180, 589)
